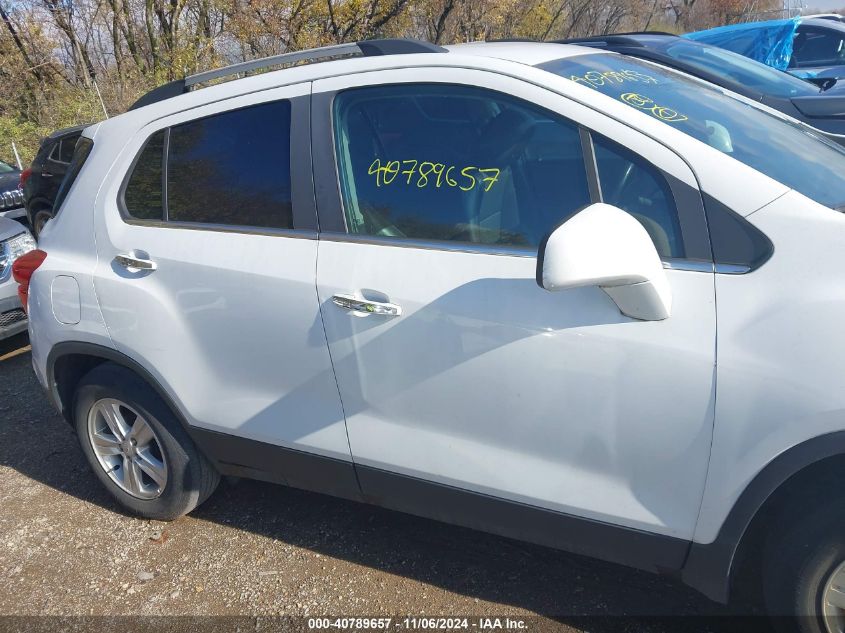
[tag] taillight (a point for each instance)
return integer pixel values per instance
(23, 269)
(25, 174)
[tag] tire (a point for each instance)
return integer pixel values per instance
(799, 562)
(39, 219)
(184, 478)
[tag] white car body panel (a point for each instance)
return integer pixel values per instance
(485, 382)
(231, 324)
(779, 381)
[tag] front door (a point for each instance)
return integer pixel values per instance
(453, 366)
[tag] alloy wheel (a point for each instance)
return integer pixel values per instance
(833, 601)
(127, 448)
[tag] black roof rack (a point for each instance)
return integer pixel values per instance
(365, 48)
(619, 39)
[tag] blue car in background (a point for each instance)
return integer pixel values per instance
(823, 109)
(811, 47)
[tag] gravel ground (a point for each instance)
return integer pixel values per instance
(257, 549)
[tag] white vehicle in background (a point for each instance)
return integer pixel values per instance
(535, 289)
(15, 240)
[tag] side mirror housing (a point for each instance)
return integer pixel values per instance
(604, 246)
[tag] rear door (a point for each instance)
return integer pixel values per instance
(455, 369)
(206, 276)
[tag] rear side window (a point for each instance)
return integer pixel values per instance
(455, 163)
(80, 155)
(230, 169)
(143, 195)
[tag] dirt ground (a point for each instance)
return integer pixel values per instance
(257, 549)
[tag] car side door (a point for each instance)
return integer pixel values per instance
(456, 371)
(206, 277)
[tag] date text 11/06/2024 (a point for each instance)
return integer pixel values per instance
(419, 623)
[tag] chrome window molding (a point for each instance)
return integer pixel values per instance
(732, 269)
(688, 265)
(433, 245)
(303, 234)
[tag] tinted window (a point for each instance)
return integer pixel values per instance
(733, 238)
(811, 47)
(815, 166)
(739, 69)
(232, 168)
(455, 163)
(143, 196)
(66, 148)
(630, 183)
(80, 155)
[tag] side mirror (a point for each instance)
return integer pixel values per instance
(604, 246)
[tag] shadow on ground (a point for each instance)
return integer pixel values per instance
(581, 592)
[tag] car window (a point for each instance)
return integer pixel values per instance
(816, 166)
(66, 148)
(740, 69)
(56, 151)
(630, 183)
(455, 163)
(80, 155)
(6, 168)
(812, 47)
(142, 197)
(232, 168)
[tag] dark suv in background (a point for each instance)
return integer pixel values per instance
(42, 180)
(11, 197)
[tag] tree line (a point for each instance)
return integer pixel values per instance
(65, 62)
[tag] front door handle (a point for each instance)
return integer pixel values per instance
(133, 263)
(348, 302)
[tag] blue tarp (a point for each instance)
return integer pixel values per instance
(768, 42)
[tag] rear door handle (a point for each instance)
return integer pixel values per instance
(348, 302)
(130, 262)
(46, 174)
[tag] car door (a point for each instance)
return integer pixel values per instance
(455, 369)
(206, 276)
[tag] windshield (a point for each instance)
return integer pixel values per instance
(788, 152)
(6, 168)
(739, 69)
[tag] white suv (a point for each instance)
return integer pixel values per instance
(549, 292)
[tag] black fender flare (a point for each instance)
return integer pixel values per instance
(709, 567)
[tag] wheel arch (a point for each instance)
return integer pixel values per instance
(69, 361)
(711, 568)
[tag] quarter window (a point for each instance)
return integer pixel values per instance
(143, 195)
(454, 163)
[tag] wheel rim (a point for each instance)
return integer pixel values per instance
(127, 448)
(833, 601)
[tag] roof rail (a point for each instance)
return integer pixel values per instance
(365, 48)
(613, 38)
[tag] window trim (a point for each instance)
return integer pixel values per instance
(303, 205)
(687, 199)
(55, 152)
